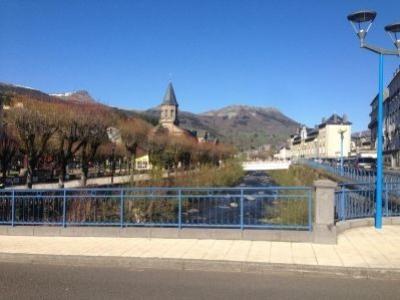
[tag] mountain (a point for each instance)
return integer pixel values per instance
(77, 96)
(250, 127)
(23, 90)
(246, 127)
(81, 96)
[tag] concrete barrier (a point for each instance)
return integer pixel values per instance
(324, 228)
(365, 222)
(265, 165)
(159, 232)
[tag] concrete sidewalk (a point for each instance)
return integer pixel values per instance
(77, 183)
(360, 249)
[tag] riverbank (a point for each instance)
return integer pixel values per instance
(229, 174)
(297, 175)
(91, 182)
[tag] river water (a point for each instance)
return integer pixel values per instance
(256, 179)
(224, 208)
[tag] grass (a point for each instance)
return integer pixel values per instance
(295, 210)
(297, 175)
(230, 173)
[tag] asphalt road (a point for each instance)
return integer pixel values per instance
(28, 281)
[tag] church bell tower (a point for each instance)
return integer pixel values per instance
(169, 108)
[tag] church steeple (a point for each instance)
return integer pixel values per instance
(170, 98)
(169, 107)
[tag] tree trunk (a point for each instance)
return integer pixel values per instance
(84, 167)
(133, 158)
(4, 169)
(61, 176)
(29, 175)
(84, 176)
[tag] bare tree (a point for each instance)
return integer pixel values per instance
(8, 150)
(35, 124)
(134, 134)
(69, 138)
(94, 134)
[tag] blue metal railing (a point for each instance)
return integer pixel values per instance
(359, 175)
(356, 198)
(269, 207)
(353, 201)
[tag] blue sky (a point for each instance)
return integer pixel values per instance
(299, 56)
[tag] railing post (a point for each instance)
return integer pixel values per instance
(180, 209)
(324, 229)
(121, 208)
(387, 199)
(241, 209)
(13, 208)
(64, 208)
(342, 204)
(310, 210)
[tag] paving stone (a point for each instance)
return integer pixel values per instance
(260, 251)
(239, 251)
(357, 248)
(198, 249)
(281, 253)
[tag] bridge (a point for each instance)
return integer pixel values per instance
(260, 165)
(354, 175)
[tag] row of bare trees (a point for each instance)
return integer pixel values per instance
(53, 132)
(60, 133)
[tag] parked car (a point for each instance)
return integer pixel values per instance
(367, 163)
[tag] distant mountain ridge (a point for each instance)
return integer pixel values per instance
(234, 110)
(244, 126)
(23, 90)
(247, 127)
(81, 96)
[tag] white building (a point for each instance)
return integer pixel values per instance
(283, 154)
(323, 141)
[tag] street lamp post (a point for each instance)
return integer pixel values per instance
(341, 132)
(112, 163)
(361, 22)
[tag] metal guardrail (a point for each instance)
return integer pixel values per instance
(356, 198)
(268, 208)
(354, 174)
(354, 201)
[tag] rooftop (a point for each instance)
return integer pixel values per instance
(335, 119)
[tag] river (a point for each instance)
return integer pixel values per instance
(256, 179)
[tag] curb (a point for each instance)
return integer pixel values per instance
(198, 265)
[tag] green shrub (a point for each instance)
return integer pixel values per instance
(296, 175)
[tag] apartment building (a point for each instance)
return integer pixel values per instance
(391, 122)
(324, 140)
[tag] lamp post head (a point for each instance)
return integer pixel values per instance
(394, 32)
(361, 22)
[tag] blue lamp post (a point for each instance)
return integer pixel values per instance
(361, 22)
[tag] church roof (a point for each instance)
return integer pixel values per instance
(170, 98)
